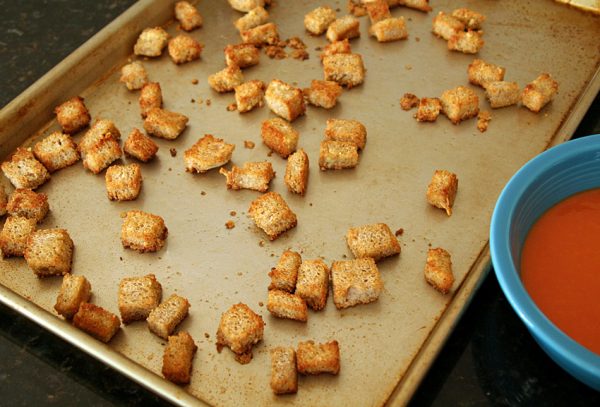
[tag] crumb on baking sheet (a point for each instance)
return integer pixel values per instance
(208, 102)
(249, 144)
(231, 107)
(408, 101)
(233, 213)
(202, 193)
(399, 232)
(261, 304)
(173, 152)
(230, 224)
(483, 120)
(275, 52)
(194, 81)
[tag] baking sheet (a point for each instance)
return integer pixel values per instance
(387, 346)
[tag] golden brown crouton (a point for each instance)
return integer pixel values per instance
(481, 72)
(249, 95)
(13, 238)
(314, 358)
(207, 153)
(253, 175)
(344, 27)
(188, 16)
(138, 296)
(408, 101)
(165, 124)
(150, 97)
(357, 8)
(390, 29)
(247, 5)
(96, 321)
(102, 154)
(296, 172)
(74, 291)
(272, 214)
(3, 201)
(151, 42)
(72, 115)
(539, 92)
(242, 55)
(467, 42)
(29, 204)
(284, 377)
(49, 252)
(323, 93)
(429, 110)
(177, 359)
(352, 131)
(240, 329)
(317, 21)
(285, 273)
(184, 48)
(255, 17)
(134, 75)
(445, 26)
(441, 191)
(143, 231)
(312, 284)
(279, 136)
(483, 120)
(421, 5)
(355, 282)
(227, 79)
(285, 100)
(502, 93)
(471, 19)
(459, 104)
(123, 182)
(346, 69)
(438, 270)
(140, 146)
(265, 34)
(99, 129)
(282, 304)
(336, 47)
(56, 151)
(163, 319)
(376, 241)
(24, 171)
(378, 10)
(338, 155)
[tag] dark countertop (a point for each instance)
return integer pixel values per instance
(490, 358)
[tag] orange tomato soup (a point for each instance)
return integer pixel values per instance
(560, 266)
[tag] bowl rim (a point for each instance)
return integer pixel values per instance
(509, 278)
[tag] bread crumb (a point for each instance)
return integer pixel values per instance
(208, 102)
(408, 101)
(249, 144)
(275, 52)
(194, 81)
(231, 107)
(233, 213)
(206, 335)
(202, 193)
(173, 152)
(230, 224)
(483, 120)
(261, 304)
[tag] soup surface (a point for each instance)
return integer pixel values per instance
(560, 266)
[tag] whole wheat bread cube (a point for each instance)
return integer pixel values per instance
(317, 21)
(255, 17)
(265, 34)
(467, 42)
(390, 29)
(272, 214)
(252, 175)
(3, 200)
(438, 270)
(134, 75)
(56, 151)
(177, 358)
(441, 191)
(226, 79)
(184, 48)
(459, 104)
(296, 172)
(140, 146)
(123, 182)
(336, 47)
(285, 100)
(143, 232)
(343, 27)
(151, 42)
(72, 115)
(242, 55)
(240, 329)
(249, 95)
(323, 93)
(355, 282)
(96, 321)
(375, 241)
(74, 291)
(163, 319)
(346, 69)
(471, 19)
(138, 296)
(100, 129)
(164, 123)
(285, 273)
(150, 98)
(188, 16)
(313, 358)
(106, 151)
(284, 377)
(408, 101)
(429, 109)
(481, 72)
(24, 171)
(207, 153)
(421, 5)
(247, 5)
(377, 10)
(346, 130)
(49, 252)
(279, 136)
(539, 93)
(282, 304)
(445, 26)
(29, 204)
(14, 235)
(337, 155)
(502, 94)
(312, 284)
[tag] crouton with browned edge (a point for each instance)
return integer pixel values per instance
(184, 48)
(346, 69)
(285, 100)
(252, 175)
(279, 136)
(312, 284)
(57, 151)
(282, 304)
(249, 95)
(207, 153)
(255, 17)
(438, 270)
(539, 93)
(24, 171)
(313, 358)
(441, 191)
(317, 21)
(284, 377)
(242, 55)
(188, 16)
(355, 282)
(285, 273)
(143, 232)
(481, 72)
(27, 203)
(72, 115)
(123, 182)
(14, 235)
(240, 329)
(375, 241)
(177, 358)
(49, 252)
(342, 28)
(151, 42)
(296, 172)
(138, 296)
(429, 109)
(338, 155)
(346, 130)
(265, 34)
(140, 146)
(163, 319)
(74, 291)
(272, 214)
(97, 322)
(323, 93)
(459, 104)
(134, 75)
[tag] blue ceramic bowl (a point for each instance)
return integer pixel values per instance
(543, 182)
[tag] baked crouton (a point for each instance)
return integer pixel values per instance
(467, 42)
(72, 115)
(323, 93)
(390, 29)
(429, 110)
(140, 146)
(446, 26)
(408, 101)
(143, 232)
(483, 120)
(378, 10)
(3, 201)
(150, 97)
(255, 17)
(346, 69)
(134, 75)
(165, 124)
(100, 128)
(285, 273)
(227, 79)
(459, 104)
(438, 270)
(312, 358)
(272, 214)
(151, 42)
(539, 92)
(285, 100)
(13, 238)
(502, 94)
(249, 95)
(441, 191)
(188, 16)
(207, 153)
(138, 296)
(296, 172)
(471, 19)
(74, 291)
(177, 359)
(352, 131)
(247, 5)
(375, 241)
(357, 8)
(312, 284)
(96, 321)
(481, 73)
(344, 27)
(56, 151)
(282, 304)
(24, 171)
(29, 204)
(253, 175)
(242, 55)
(265, 34)
(102, 154)
(123, 182)
(163, 319)
(49, 252)
(284, 377)
(184, 48)
(317, 21)
(240, 329)
(355, 282)
(279, 136)
(421, 5)
(336, 47)
(338, 155)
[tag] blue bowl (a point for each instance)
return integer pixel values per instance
(543, 182)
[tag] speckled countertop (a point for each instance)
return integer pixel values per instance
(490, 359)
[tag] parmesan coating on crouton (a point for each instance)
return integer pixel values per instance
(312, 358)
(151, 42)
(296, 172)
(539, 92)
(14, 235)
(150, 98)
(312, 284)
(242, 55)
(429, 110)
(285, 273)
(471, 19)
(351, 131)
(249, 95)
(346, 69)
(74, 291)
(265, 34)
(165, 124)
(438, 270)
(49, 252)
(441, 191)
(344, 27)
(481, 72)
(246, 5)
(285, 100)
(467, 42)
(390, 29)
(72, 115)
(408, 101)
(24, 171)
(143, 232)
(375, 241)
(163, 319)
(140, 146)
(188, 16)
(184, 48)
(279, 136)
(502, 94)
(282, 304)
(227, 79)
(134, 75)
(446, 26)
(57, 151)
(323, 93)
(255, 17)
(177, 359)
(337, 155)
(272, 214)
(284, 377)
(97, 322)
(123, 182)
(207, 153)
(459, 104)
(240, 329)
(317, 21)
(138, 296)
(253, 175)
(29, 204)
(336, 47)
(355, 282)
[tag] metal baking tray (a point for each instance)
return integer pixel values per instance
(387, 346)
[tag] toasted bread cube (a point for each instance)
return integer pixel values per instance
(459, 104)
(49, 252)
(150, 98)
(134, 75)
(184, 48)
(408, 101)
(272, 214)
(138, 296)
(375, 241)
(390, 29)
(207, 153)
(242, 55)
(72, 115)
(227, 79)
(102, 154)
(502, 93)
(165, 124)
(539, 92)
(338, 155)
(429, 109)
(285, 273)
(483, 120)
(471, 19)
(312, 358)
(282, 304)
(312, 284)
(317, 21)
(346, 130)
(279, 136)
(438, 270)
(355, 282)
(143, 232)
(140, 146)
(29, 204)
(378, 10)
(177, 359)
(3, 201)
(441, 191)
(74, 291)
(96, 321)
(240, 329)
(336, 47)
(14, 235)
(481, 73)
(296, 172)
(249, 95)
(469, 42)
(323, 93)
(151, 42)
(344, 27)
(253, 175)
(446, 26)
(265, 34)
(255, 17)
(346, 69)
(357, 8)
(421, 5)
(99, 129)
(123, 182)
(24, 171)
(247, 5)
(284, 377)
(163, 319)
(188, 16)
(285, 100)
(56, 151)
